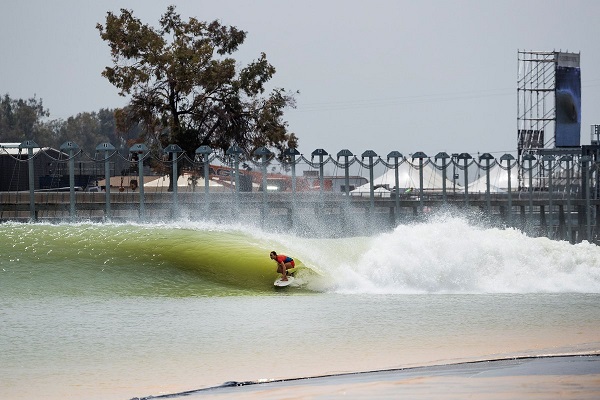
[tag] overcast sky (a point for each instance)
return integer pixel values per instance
(383, 75)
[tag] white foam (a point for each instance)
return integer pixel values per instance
(449, 255)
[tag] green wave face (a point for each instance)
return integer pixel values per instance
(133, 260)
(444, 255)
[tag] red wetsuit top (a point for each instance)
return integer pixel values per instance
(285, 259)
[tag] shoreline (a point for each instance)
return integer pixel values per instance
(522, 375)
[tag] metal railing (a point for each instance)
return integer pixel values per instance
(553, 183)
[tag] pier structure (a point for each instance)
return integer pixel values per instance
(557, 197)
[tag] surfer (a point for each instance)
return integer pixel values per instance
(283, 264)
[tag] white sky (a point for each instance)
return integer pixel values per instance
(383, 75)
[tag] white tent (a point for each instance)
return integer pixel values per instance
(408, 177)
(381, 192)
(498, 181)
(378, 191)
(480, 186)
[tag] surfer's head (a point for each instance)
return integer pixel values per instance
(273, 255)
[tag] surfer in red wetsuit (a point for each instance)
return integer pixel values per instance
(283, 264)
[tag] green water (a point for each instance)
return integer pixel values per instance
(132, 260)
(115, 311)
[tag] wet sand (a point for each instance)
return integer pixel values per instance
(551, 377)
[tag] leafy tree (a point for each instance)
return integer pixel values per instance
(22, 120)
(86, 129)
(185, 87)
(27, 119)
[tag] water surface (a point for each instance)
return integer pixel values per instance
(113, 311)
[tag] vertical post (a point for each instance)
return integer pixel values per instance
(107, 210)
(530, 191)
(71, 147)
(106, 147)
(596, 192)
(205, 152)
(568, 160)
(370, 154)
(530, 157)
(31, 177)
(236, 151)
(420, 155)
(561, 221)
(487, 186)
(292, 153)
(509, 189)
(141, 187)
(265, 186)
(71, 185)
(466, 183)
(206, 178)
(443, 156)
(466, 157)
(263, 152)
(396, 155)
(174, 151)
(508, 158)
(421, 194)
(30, 145)
(569, 219)
(487, 157)
(454, 176)
(140, 149)
(585, 189)
(346, 154)
(595, 178)
(320, 153)
(549, 158)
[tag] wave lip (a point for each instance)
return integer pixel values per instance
(449, 255)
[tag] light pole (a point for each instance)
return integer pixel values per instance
(454, 161)
(443, 156)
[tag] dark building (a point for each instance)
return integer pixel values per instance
(48, 171)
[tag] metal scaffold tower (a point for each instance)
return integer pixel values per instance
(536, 111)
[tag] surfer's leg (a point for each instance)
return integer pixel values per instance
(284, 272)
(284, 268)
(281, 269)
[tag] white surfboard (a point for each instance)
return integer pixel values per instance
(280, 283)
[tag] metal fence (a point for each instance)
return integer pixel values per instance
(559, 190)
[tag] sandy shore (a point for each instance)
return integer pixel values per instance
(551, 377)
